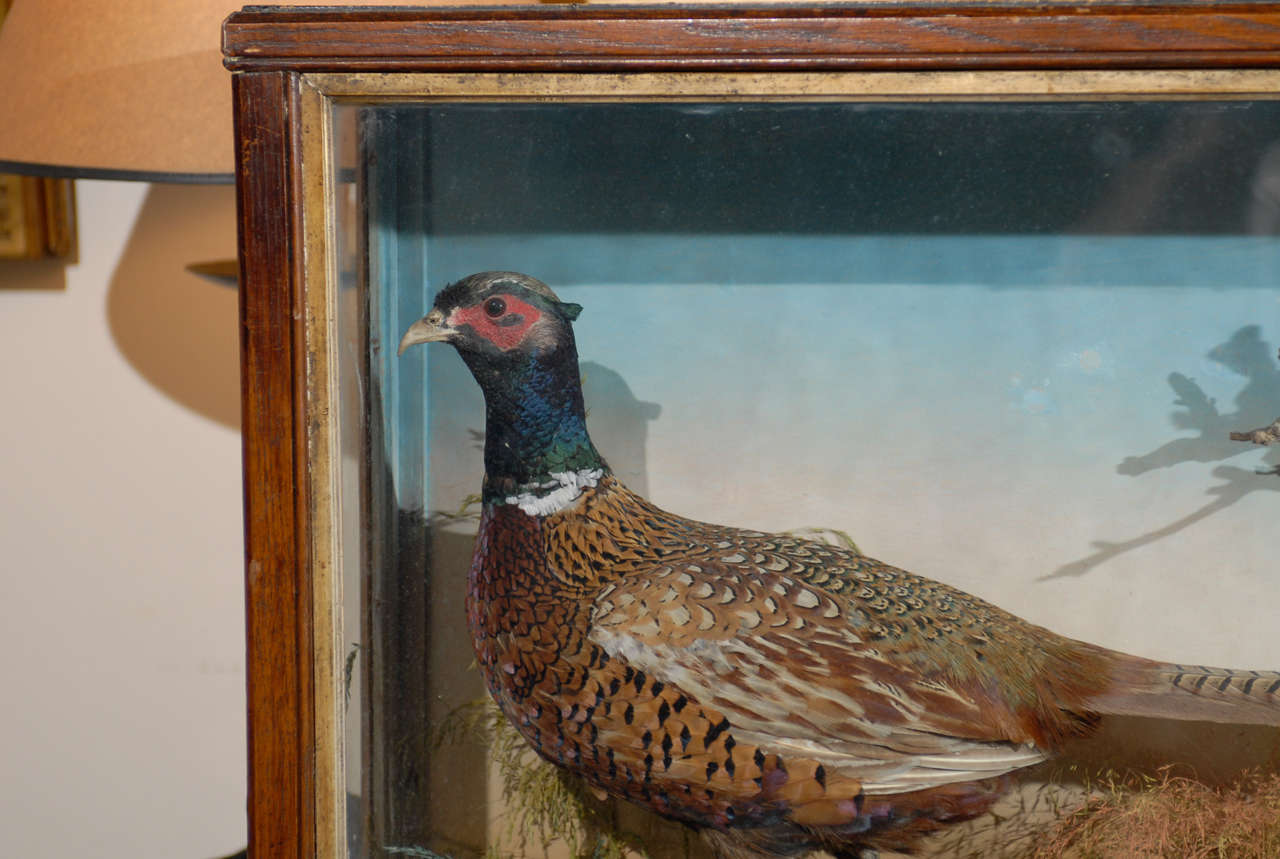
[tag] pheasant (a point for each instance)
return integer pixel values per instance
(778, 694)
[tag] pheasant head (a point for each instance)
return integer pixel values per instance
(516, 337)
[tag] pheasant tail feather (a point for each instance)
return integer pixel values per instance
(1195, 692)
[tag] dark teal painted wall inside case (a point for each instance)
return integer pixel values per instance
(986, 168)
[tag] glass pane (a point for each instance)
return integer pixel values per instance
(1000, 345)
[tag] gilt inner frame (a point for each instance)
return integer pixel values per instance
(316, 97)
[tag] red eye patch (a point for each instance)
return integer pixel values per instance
(505, 331)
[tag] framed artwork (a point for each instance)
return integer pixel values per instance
(37, 215)
(984, 290)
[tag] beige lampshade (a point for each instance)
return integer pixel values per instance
(129, 89)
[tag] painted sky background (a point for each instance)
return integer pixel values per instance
(999, 345)
(987, 437)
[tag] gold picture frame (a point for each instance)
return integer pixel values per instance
(37, 214)
(37, 217)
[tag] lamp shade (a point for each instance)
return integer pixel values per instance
(125, 89)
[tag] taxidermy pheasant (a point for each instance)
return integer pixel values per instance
(778, 694)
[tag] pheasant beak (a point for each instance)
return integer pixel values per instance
(429, 329)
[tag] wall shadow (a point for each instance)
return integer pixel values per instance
(1245, 354)
(619, 424)
(179, 331)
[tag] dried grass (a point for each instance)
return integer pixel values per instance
(1169, 815)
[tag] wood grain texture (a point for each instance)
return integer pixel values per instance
(277, 583)
(865, 35)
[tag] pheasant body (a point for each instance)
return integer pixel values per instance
(779, 694)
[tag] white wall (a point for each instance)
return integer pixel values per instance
(121, 596)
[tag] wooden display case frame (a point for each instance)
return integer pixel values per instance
(289, 63)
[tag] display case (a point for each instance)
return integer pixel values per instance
(984, 288)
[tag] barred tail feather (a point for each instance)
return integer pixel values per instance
(1195, 692)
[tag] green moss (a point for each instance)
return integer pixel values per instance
(543, 804)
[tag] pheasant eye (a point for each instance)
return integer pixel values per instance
(495, 307)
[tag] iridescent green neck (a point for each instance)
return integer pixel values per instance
(535, 422)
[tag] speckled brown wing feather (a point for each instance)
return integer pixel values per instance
(784, 662)
(831, 609)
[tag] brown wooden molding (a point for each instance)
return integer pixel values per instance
(867, 35)
(277, 580)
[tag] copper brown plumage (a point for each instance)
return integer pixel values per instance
(779, 694)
